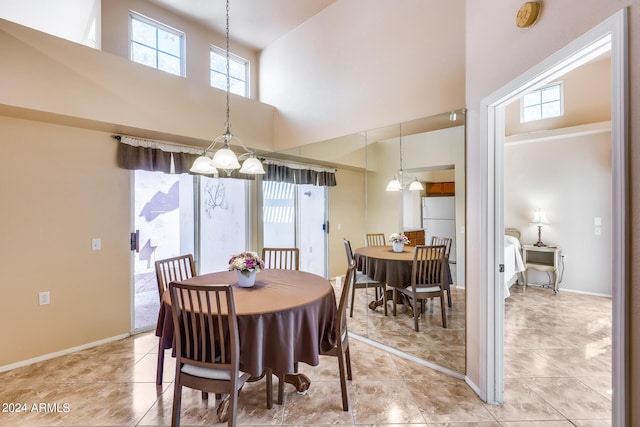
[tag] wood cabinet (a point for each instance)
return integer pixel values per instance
(441, 189)
(415, 237)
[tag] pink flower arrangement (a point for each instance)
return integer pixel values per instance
(398, 238)
(246, 262)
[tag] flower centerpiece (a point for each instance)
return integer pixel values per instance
(398, 240)
(247, 264)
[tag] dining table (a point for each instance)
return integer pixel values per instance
(383, 264)
(287, 317)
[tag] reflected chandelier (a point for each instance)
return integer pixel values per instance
(398, 185)
(224, 158)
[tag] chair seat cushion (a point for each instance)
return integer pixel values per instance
(362, 278)
(420, 289)
(213, 374)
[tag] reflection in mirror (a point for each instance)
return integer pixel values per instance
(432, 153)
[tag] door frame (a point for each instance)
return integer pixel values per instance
(491, 239)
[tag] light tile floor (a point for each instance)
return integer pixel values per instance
(557, 369)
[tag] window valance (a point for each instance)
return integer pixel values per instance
(155, 156)
(142, 154)
(294, 173)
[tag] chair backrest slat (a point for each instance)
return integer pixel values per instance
(341, 318)
(438, 241)
(174, 269)
(283, 258)
(348, 250)
(375, 239)
(428, 265)
(206, 325)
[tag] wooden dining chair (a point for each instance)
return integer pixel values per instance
(341, 349)
(284, 258)
(427, 281)
(362, 281)
(207, 344)
(171, 270)
(374, 239)
(446, 241)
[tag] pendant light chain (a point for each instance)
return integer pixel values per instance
(227, 121)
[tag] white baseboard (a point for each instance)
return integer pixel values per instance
(61, 353)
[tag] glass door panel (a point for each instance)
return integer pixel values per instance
(223, 221)
(313, 236)
(163, 219)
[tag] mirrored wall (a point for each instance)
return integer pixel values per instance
(428, 150)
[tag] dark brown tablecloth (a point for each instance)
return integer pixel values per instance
(287, 317)
(393, 268)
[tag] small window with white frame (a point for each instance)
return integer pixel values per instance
(542, 103)
(156, 45)
(238, 72)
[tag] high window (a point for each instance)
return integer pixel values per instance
(238, 72)
(541, 104)
(156, 45)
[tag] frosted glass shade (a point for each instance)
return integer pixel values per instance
(416, 185)
(394, 185)
(252, 166)
(225, 159)
(203, 165)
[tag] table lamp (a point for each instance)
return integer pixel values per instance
(539, 218)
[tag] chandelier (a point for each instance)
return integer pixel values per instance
(398, 184)
(224, 158)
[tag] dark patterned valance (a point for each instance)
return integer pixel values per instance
(140, 154)
(298, 174)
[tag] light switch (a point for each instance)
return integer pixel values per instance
(96, 244)
(597, 221)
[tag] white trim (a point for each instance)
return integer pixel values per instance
(407, 356)
(62, 352)
(612, 31)
(561, 133)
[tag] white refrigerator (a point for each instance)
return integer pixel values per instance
(439, 219)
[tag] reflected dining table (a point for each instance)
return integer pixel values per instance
(287, 317)
(382, 264)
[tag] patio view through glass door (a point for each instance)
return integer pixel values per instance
(163, 218)
(181, 214)
(295, 216)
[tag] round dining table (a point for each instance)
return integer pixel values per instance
(382, 264)
(287, 317)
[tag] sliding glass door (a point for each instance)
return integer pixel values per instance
(163, 227)
(183, 214)
(295, 216)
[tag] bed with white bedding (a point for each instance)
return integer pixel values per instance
(513, 264)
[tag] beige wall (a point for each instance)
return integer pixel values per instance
(61, 188)
(497, 53)
(356, 66)
(346, 217)
(545, 174)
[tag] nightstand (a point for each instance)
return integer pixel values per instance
(541, 258)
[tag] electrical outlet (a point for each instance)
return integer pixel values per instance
(44, 298)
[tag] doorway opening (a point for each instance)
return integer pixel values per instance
(612, 33)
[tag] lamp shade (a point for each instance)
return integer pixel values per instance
(252, 166)
(225, 159)
(416, 185)
(394, 185)
(540, 217)
(203, 165)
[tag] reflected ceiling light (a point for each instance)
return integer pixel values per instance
(453, 116)
(224, 158)
(398, 184)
